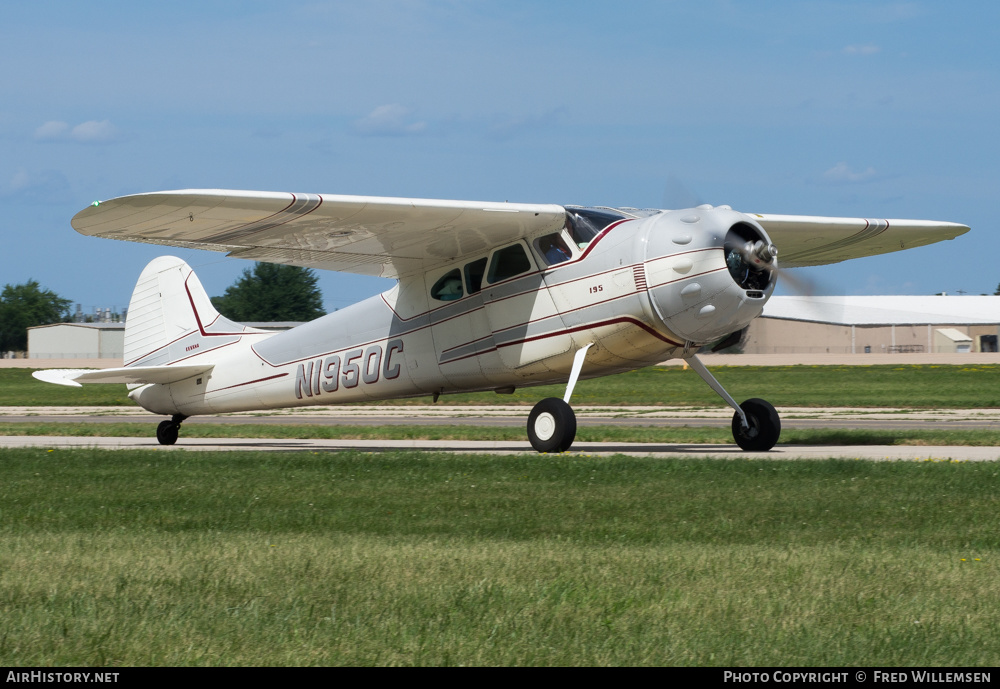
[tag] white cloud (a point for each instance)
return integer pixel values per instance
(841, 173)
(389, 120)
(85, 132)
(866, 49)
(51, 131)
(94, 132)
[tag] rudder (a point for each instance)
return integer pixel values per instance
(171, 318)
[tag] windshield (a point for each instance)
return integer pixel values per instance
(586, 223)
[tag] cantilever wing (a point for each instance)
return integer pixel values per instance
(397, 237)
(812, 241)
(387, 237)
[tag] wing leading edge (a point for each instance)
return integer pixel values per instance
(386, 237)
(812, 241)
(398, 237)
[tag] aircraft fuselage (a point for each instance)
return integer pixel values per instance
(643, 290)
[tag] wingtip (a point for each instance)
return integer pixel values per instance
(59, 376)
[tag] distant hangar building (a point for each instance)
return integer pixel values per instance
(889, 324)
(77, 341)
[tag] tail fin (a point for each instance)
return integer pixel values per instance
(171, 319)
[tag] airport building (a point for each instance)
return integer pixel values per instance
(77, 341)
(885, 324)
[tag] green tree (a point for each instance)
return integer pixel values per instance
(22, 306)
(272, 292)
(998, 291)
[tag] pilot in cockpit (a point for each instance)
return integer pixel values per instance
(554, 249)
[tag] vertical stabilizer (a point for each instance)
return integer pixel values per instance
(171, 319)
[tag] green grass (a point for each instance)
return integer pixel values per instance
(19, 389)
(150, 558)
(858, 386)
(967, 387)
(623, 434)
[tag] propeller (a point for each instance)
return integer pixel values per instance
(678, 195)
(760, 256)
(798, 283)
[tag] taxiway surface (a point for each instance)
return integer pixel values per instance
(515, 416)
(652, 450)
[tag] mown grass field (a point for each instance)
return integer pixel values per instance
(585, 433)
(928, 386)
(149, 558)
(190, 558)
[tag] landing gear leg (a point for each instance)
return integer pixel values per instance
(756, 425)
(168, 431)
(552, 422)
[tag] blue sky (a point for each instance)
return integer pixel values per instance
(871, 109)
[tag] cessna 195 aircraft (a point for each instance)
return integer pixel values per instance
(490, 296)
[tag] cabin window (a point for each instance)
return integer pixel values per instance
(508, 262)
(474, 275)
(552, 248)
(448, 287)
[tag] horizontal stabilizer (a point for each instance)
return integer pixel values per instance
(140, 375)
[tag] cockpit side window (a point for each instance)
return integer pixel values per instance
(553, 248)
(508, 262)
(448, 287)
(474, 272)
(583, 224)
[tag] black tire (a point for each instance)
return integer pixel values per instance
(551, 425)
(167, 432)
(764, 430)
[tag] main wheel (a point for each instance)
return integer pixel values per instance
(764, 426)
(167, 432)
(551, 425)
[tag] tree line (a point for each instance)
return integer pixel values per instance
(265, 293)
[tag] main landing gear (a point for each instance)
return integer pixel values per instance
(552, 423)
(756, 425)
(168, 431)
(762, 429)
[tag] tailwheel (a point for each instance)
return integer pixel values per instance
(168, 431)
(763, 426)
(551, 425)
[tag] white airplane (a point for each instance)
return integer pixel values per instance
(490, 296)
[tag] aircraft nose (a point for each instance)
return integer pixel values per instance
(717, 280)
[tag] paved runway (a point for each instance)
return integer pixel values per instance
(652, 450)
(515, 416)
(519, 422)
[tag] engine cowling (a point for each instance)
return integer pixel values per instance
(709, 271)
